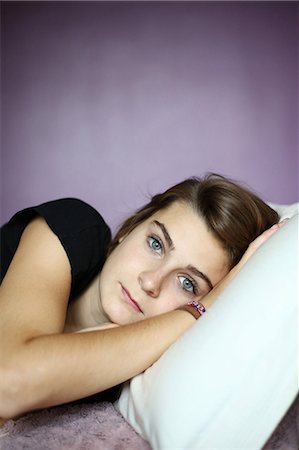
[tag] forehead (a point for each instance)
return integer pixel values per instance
(180, 217)
(193, 242)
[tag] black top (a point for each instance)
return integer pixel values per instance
(85, 237)
(80, 228)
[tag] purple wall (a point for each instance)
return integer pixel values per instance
(111, 102)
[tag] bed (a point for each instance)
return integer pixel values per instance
(101, 427)
(256, 405)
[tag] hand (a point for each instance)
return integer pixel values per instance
(259, 241)
(209, 298)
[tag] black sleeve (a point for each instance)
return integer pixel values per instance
(80, 228)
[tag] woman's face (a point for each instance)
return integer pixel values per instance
(164, 263)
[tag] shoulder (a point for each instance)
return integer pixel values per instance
(64, 216)
(80, 228)
(83, 233)
(71, 211)
(38, 280)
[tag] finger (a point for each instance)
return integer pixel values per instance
(254, 245)
(263, 237)
(267, 233)
(284, 221)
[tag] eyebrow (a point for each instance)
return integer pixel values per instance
(191, 268)
(199, 274)
(165, 233)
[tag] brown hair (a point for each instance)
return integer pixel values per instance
(235, 215)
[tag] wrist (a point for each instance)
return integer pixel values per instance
(194, 308)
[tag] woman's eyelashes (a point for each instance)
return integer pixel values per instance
(155, 244)
(189, 285)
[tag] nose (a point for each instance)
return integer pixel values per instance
(150, 282)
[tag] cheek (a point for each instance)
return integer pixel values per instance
(126, 261)
(172, 296)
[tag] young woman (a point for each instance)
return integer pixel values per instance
(75, 322)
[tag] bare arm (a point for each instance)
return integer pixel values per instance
(42, 367)
(39, 365)
(64, 367)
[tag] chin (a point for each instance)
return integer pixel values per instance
(124, 318)
(117, 316)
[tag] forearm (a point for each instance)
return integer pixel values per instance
(59, 368)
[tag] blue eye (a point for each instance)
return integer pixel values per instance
(188, 285)
(154, 244)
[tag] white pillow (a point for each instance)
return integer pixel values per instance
(285, 210)
(229, 380)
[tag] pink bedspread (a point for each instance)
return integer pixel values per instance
(99, 426)
(93, 426)
(286, 435)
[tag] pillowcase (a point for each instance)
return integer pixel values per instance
(285, 211)
(229, 380)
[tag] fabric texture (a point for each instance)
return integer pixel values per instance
(101, 427)
(88, 426)
(80, 228)
(230, 379)
(286, 435)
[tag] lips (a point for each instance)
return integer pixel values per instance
(130, 300)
